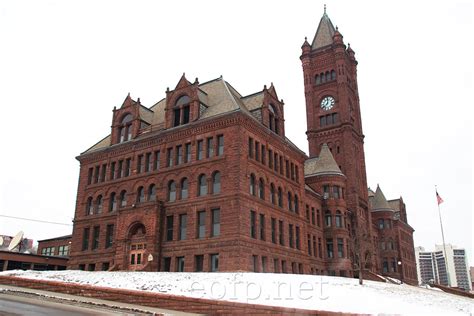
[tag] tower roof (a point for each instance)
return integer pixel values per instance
(323, 36)
(379, 202)
(323, 165)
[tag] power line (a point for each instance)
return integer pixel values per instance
(35, 220)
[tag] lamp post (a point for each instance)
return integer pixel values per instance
(401, 271)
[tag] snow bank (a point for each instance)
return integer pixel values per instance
(286, 290)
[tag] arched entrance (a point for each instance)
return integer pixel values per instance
(136, 247)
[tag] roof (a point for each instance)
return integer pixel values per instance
(379, 202)
(323, 36)
(322, 165)
(57, 238)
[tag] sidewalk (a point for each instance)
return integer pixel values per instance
(89, 301)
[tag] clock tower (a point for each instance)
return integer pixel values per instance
(333, 111)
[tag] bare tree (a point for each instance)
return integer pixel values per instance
(361, 247)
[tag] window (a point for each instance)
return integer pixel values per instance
(333, 75)
(169, 227)
(252, 184)
(109, 236)
(216, 183)
(180, 264)
(296, 204)
(112, 202)
(49, 251)
(329, 247)
(95, 240)
(216, 222)
(112, 171)
(140, 195)
(261, 189)
(380, 221)
(184, 188)
(290, 236)
(255, 263)
(220, 145)
(120, 169)
(201, 224)
(273, 221)
(171, 191)
(200, 150)
(89, 176)
(128, 167)
(179, 154)
(272, 194)
(156, 165)
(63, 250)
(262, 227)
(125, 128)
(297, 231)
(257, 150)
(250, 147)
(152, 192)
(283, 266)
(273, 121)
(320, 248)
(287, 168)
(199, 263)
(85, 238)
(181, 111)
(187, 152)
(123, 198)
(385, 265)
(105, 266)
(264, 264)
(328, 219)
(202, 182)
(169, 157)
(148, 163)
(276, 265)
(318, 218)
(270, 159)
(166, 264)
(290, 203)
(210, 147)
(338, 219)
(264, 154)
(275, 166)
(140, 164)
(253, 224)
(340, 248)
(280, 233)
(309, 244)
(335, 192)
(183, 219)
(214, 262)
(280, 197)
(89, 206)
(103, 173)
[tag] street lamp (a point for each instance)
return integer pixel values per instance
(401, 271)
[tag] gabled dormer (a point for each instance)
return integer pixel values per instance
(126, 121)
(272, 111)
(183, 103)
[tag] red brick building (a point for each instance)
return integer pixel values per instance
(58, 246)
(205, 180)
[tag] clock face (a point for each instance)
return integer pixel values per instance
(327, 103)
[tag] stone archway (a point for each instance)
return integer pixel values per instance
(136, 246)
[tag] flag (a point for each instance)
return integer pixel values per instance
(440, 200)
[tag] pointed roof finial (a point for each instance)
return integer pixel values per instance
(324, 8)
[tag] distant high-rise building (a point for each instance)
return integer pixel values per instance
(432, 267)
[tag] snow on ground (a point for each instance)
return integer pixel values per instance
(287, 290)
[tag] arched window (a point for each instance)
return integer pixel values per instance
(181, 111)
(202, 183)
(89, 206)
(273, 118)
(328, 76)
(296, 203)
(125, 128)
(252, 184)
(280, 197)
(152, 192)
(290, 202)
(140, 195)
(272, 193)
(184, 188)
(171, 191)
(261, 189)
(216, 183)
(333, 75)
(328, 218)
(338, 219)
(112, 202)
(123, 198)
(99, 203)
(317, 79)
(390, 244)
(323, 78)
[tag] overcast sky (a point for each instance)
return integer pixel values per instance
(64, 65)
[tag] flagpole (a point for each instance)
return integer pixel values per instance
(442, 235)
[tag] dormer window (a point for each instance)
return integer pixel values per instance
(181, 111)
(125, 128)
(273, 120)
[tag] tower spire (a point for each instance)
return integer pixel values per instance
(324, 8)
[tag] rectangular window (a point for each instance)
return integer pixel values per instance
(313, 216)
(156, 166)
(283, 266)
(340, 248)
(250, 147)
(264, 154)
(166, 264)
(201, 224)
(179, 154)
(262, 227)
(128, 167)
(169, 227)
(292, 168)
(314, 246)
(296, 174)
(276, 266)
(210, 147)
(334, 118)
(255, 263)
(214, 262)
(85, 238)
(109, 236)
(186, 115)
(280, 233)
(103, 173)
(148, 162)
(112, 170)
(257, 151)
(180, 264)
(273, 230)
(335, 192)
(320, 248)
(253, 224)
(216, 222)
(187, 152)
(287, 168)
(270, 158)
(89, 175)
(63, 250)
(169, 157)
(275, 166)
(95, 241)
(183, 219)
(290, 235)
(96, 174)
(220, 145)
(309, 244)
(281, 165)
(264, 264)
(318, 218)
(297, 231)
(329, 247)
(200, 150)
(322, 121)
(140, 164)
(325, 191)
(198, 263)
(105, 266)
